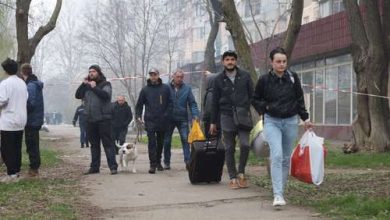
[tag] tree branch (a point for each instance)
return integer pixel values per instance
(374, 28)
(356, 24)
(43, 30)
(294, 27)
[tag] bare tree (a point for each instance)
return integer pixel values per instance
(371, 59)
(26, 45)
(6, 41)
(294, 27)
(234, 26)
(214, 9)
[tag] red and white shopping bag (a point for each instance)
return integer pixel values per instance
(308, 159)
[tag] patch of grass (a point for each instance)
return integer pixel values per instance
(336, 158)
(38, 199)
(41, 198)
(175, 144)
(253, 160)
(341, 196)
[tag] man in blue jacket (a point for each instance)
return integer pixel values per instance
(182, 100)
(34, 117)
(81, 116)
(156, 97)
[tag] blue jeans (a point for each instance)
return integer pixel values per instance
(83, 133)
(280, 134)
(182, 126)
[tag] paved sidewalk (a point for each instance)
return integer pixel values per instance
(169, 194)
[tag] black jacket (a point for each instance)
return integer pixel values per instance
(122, 115)
(227, 95)
(280, 97)
(158, 106)
(97, 100)
(80, 115)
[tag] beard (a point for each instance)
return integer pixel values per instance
(230, 68)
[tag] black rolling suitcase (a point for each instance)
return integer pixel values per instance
(207, 159)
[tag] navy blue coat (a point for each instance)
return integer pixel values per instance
(35, 107)
(158, 105)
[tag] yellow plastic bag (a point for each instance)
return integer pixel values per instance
(196, 133)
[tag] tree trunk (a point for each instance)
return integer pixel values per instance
(371, 128)
(26, 46)
(209, 54)
(234, 26)
(294, 27)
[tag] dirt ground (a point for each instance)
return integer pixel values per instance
(165, 195)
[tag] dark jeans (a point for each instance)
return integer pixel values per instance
(155, 147)
(83, 134)
(11, 150)
(119, 134)
(229, 134)
(101, 131)
(182, 126)
(31, 138)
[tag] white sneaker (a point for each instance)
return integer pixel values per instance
(279, 201)
(10, 178)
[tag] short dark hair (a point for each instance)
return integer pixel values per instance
(229, 53)
(10, 66)
(275, 51)
(26, 69)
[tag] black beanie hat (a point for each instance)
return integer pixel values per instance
(10, 66)
(97, 68)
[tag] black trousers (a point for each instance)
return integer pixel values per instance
(31, 138)
(155, 147)
(101, 132)
(11, 150)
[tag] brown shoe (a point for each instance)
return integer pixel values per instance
(33, 173)
(233, 184)
(242, 181)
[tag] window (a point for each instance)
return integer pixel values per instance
(308, 91)
(319, 98)
(344, 103)
(256, 7)
(331, 80)
(329, 7)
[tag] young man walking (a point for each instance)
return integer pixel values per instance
(232, 94)
(122, 117)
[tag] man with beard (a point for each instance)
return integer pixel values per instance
(96, 92)
(232, 94)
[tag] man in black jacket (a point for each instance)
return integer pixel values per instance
(122, 117)
(156, 97)
(232, 94)
(96, 92)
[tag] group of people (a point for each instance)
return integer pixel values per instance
(165, 109)
(121, 118)
(21, 111)
(277, 97)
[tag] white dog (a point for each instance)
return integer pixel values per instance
(127, 152)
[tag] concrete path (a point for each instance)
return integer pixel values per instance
(169, 194)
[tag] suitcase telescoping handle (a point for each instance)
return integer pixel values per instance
(209, 146)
